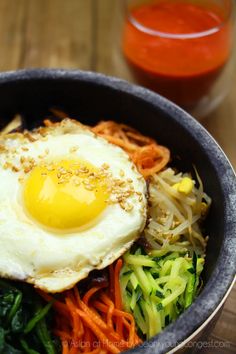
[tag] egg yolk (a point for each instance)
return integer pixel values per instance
(65, 195)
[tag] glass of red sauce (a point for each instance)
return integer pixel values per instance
(182, 49)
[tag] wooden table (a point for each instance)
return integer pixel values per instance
(77, 34)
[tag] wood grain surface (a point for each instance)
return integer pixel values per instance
(81, 34)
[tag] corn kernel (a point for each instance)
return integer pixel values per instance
(184, 186)
(176, 186)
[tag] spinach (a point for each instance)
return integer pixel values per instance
(25, 321)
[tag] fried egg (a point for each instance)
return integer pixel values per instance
(70, 202)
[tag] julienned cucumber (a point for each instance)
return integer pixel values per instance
(157, 289)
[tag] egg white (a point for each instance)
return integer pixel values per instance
(49, 260)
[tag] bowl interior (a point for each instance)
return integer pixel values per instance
(90, 102)
(90, 99)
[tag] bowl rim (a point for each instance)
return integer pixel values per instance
(208, 302)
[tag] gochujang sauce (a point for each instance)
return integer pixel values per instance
(177, 49)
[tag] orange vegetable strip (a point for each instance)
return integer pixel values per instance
(95, 351)
(122, 319)
(99, 321)
(111, 277)
(92, 315)
(126, 315)
(77, 299)
(100, 306)
(109, 315)
(135, 339)
(77, 295)
(74, 350)
(62, 334)
(70, 295)
(105, 298)
(90, 293)
(98, 332)
(65, 347)
(116, 312)
(151, 159)
(77, 328)
(87, 340)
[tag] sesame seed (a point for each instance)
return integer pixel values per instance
(15, 169)
(29, 136)
(7, 165)
(73, 149)
(89, 187)
(50, 169)
(2, 148)
(27, 169)
(105, 166)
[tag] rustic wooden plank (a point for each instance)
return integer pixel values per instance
(225, 327)
(230, 304)
(222, 340)
(103, 43)
(215, 345)
(12, 23)
(109, 58)
(222, 124)
(58, 34)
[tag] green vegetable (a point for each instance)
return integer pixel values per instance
(45, 337)
(157, 289)
(25, 321)
(40, 313)
(26, 347)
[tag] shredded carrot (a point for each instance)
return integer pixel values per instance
(112, 281)
(95, 323)
(90, 293)
(146, 153)
(95, 351)
(98, 332)
(65, 347)
(148, 156)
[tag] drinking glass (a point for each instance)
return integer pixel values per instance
(192, 63)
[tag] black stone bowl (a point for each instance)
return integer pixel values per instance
(91, 97)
